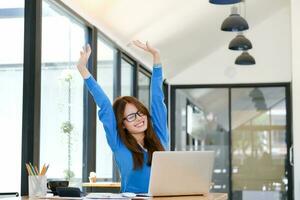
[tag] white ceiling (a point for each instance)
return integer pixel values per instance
(186, 32)
(193, 48)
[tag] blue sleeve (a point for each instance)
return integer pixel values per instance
(105, 113)
(158, 108)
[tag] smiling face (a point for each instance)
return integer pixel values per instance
(136, 131)
(134, 121)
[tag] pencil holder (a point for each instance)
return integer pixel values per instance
(37, 186)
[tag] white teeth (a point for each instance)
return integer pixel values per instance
(139, 124)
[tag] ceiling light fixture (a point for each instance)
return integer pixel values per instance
(224, 2)
(234, 23)
(240, 42)
(245, 59)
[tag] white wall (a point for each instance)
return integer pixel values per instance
(295, 22)
(271, 49)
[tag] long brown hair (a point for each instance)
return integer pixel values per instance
(151, 141)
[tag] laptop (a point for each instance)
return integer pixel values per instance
(176, 173)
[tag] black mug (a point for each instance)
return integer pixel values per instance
(53, 184)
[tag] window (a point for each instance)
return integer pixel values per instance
(11, 87)
(105, 79)
(143, 88)
(61, 94)
(127, 70)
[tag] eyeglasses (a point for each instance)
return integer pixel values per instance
(132, 116)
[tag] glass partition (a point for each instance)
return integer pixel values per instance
(11, 87)
(259, 149)
(252, 123)
(202, 123)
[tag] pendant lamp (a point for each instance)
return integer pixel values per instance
(240, 42)
(234, 22)
(224, 2)
(245, 59)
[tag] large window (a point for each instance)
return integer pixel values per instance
(144, 88)
(11, 87)
(105, 66)
(61, 94)
(61, 116)
(127, 70)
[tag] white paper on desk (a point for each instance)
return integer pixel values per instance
(138, 197)
(105, 196)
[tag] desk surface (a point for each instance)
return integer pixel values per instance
(211, 196)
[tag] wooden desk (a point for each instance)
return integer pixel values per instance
(113, 187)
(211, 196)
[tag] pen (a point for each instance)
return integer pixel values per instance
(32, 168)
(28, 169)
(43, 170)
(36, 170)
(47, 168)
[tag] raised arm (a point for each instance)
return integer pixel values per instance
(158, 108)
(106, 114)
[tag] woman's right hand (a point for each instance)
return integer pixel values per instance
(82, 62)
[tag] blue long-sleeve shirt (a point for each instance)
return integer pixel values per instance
(136, 181)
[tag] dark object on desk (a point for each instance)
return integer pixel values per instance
(52, 185)
(8, 194)
(68, 192)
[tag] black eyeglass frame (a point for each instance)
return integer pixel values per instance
(139, 113)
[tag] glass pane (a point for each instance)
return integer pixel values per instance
(259, 150)
(144, 88)
(61, 95)
(105, 79)
(126, 79)
(11, 87)
(201, 120)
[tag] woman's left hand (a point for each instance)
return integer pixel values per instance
(146, 47)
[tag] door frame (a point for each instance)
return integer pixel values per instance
(289, 133)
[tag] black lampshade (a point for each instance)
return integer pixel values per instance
(240, 42)
(245, 59)
(224, 2)
(234, 22)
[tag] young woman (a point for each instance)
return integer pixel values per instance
(132, 132)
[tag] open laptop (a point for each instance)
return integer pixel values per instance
(176, 173)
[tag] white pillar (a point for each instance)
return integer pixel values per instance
(295, 25)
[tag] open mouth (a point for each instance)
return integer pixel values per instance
(140, 124)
